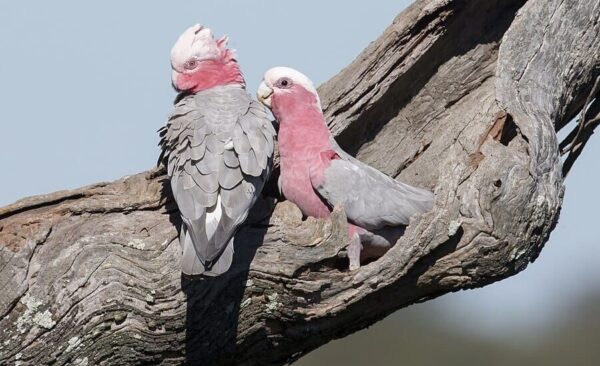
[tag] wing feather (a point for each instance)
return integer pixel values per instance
(371, 199)
(218, 148)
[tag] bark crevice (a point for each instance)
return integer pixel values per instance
(464, 97)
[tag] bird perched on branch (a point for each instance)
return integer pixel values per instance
(316, 174)
(217, 146)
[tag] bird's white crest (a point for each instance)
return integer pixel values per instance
(198, 42)
(273, 75)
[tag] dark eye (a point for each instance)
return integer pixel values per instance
(284, 83)
(190, 64)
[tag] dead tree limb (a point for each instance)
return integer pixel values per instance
(464, 97)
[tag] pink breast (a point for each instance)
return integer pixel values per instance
(297, 187)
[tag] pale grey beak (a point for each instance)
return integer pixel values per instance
(264, 93)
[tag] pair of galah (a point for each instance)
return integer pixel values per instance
(218, 148)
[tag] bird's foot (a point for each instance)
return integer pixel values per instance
(354, 248)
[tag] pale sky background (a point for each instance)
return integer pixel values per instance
(85, 85)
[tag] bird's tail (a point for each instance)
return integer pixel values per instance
(192, 265)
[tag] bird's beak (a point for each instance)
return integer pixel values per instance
(264, 94)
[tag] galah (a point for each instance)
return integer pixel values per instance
(317, 175)
(217, 146)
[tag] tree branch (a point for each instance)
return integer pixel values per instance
(589, 119)
(463, 97)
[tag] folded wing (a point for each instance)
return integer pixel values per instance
(371, 199)
(218, 149)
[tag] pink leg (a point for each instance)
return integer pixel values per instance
(354, 246)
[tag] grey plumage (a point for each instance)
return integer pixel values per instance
(383, 201)
(372, 200)
(218, 148)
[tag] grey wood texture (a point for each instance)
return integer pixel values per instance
(461, 97)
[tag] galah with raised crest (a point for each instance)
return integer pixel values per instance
(217, 146)
(317, 175)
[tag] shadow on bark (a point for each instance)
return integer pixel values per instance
(463, 96)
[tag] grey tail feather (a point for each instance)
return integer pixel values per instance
(192, 265)
(223, 262)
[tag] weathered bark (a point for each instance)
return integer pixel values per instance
(464, 97)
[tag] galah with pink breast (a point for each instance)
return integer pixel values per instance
(317, 175)
(217, 146)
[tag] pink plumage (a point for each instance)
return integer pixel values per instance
(200, 62)
(316, 174)
(301, 142)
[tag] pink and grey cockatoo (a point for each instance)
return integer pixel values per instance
(217, 146)
(317, 175)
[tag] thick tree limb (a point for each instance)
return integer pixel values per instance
(461, 96)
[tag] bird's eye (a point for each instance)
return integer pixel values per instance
(284, 83)
(190, 64)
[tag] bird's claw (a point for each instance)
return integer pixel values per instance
(354, 248)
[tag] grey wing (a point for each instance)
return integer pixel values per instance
(247, 162)
(210, 184)
(193, 169)
(253, 137)
(371, 199)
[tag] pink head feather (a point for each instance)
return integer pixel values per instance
(304, 140)
(200, 62)
(295, 103)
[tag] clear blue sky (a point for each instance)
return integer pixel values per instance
(85, 85)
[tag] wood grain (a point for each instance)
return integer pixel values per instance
(462, 97)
